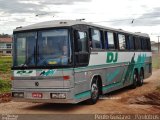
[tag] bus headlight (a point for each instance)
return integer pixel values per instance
(18, 94)
(58, 95)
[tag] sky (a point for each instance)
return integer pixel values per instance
(130, 15)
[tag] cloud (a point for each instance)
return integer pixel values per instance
(20, 19)
(22, 12)
(155, 13)
(151, 18)
(15, 6)
(30, 6)
(63, 2)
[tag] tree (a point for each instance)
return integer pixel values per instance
(4, 35)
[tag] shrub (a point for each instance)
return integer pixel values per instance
(5, 86)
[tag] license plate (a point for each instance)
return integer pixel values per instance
(37, 95)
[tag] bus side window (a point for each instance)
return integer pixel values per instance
(122, 41)
(140, 44)
(144, 44)
(96, 39)
(127, 42)
(137, 43)
(148, 44)
(81, 48)
(131, 42)
(109, 36)
(82, 42)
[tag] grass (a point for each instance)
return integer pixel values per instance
(5, 64)
(156, 61)
(5, 86)
(5, 73)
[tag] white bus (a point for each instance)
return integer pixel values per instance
(71, 61)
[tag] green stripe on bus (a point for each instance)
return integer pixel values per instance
(83, 94)
(111, 76)
(93, 66)
(88, 93)
(98, 66)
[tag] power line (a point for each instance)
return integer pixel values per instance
(133, 19)
(112, 20)
(48, 13)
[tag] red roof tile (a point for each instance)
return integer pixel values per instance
(6, 40)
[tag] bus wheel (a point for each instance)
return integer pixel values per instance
(141, 78)
(135, 79)
(94, 92)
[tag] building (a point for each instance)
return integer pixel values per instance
(6, 46)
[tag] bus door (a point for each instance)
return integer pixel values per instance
(81, 60)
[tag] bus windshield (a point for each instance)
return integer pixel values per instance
(42, 48)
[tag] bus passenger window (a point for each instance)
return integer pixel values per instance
(131, 42)
(82, 42)
(81, 48)
(110, 40)
(122, 42)
(96, 39)
(138, 43)
(144, 44)
(148, 44)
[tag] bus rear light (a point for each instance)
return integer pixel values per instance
(66, 77)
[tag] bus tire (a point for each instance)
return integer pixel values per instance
(94, 92)
(135, 79)
(141, 78)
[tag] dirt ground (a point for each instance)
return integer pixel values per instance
(118, 102)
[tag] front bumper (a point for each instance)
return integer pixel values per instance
(46, 95)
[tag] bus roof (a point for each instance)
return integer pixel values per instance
(62, 23)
